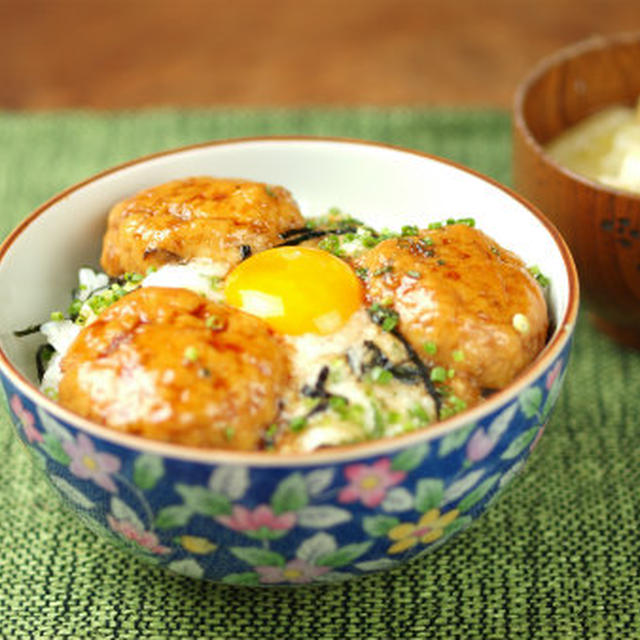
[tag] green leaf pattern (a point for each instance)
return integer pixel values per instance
(230, 481)
(410, 458)
(317, 546)
(322, 517)
(455, 440)
(147, 471)
(530, 400)
(290, 495)
(397, 499)
(429, 494)
(319, 480)
(122, 511)
(518, 445)
(344, 555)
(203, 501)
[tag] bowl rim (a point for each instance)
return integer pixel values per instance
(331, 455)
(574, 50)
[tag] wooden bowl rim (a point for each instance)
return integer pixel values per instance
(575, 50)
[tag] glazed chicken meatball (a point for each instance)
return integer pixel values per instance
(221, 219)
(170, 365)
(464, 303)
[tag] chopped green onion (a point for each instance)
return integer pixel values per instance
(419, 413)
(297, 424)
(97, 304)
(409, 230)
(381, 375)
(438, 374)
(452, 406)
(331, 243)
(416, 275)
(132, 277)
(57, 316)
(430, 347)
(370, 241)
(383, 316)
(337, 370)
(191, 354)
(74, 308)
(393, 417)
(543, 281)
(51, 392)
(216, 323)
(229, 432)
(271, 430)
(337, 403)
(457, 355)
(389, 323)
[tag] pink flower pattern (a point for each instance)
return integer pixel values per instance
(145, 539)
(261, 522)
(479, 446)
(88, 464)
(553, 374)
(26, 420)
(296, 571)
(369, 483)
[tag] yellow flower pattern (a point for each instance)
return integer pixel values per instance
(428, 529)
(196, 544)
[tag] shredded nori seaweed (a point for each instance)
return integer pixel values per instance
(27, 331)
(318, 390)
(423, 370)
(376, 357)
(387, 318)
(298, 236)
(402, 371)
(293, 232)
(43, 356)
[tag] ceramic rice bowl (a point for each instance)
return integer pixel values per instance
(266, 519)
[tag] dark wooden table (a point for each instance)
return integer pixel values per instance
(134, 53)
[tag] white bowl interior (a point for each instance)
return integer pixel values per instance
(380, 185)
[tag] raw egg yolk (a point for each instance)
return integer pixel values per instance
(295, 290)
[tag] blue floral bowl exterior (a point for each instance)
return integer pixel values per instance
(266, 519)
(286, 524)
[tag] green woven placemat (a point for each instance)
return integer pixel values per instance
(557, 557)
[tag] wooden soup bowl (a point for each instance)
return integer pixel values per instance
(601, 224)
